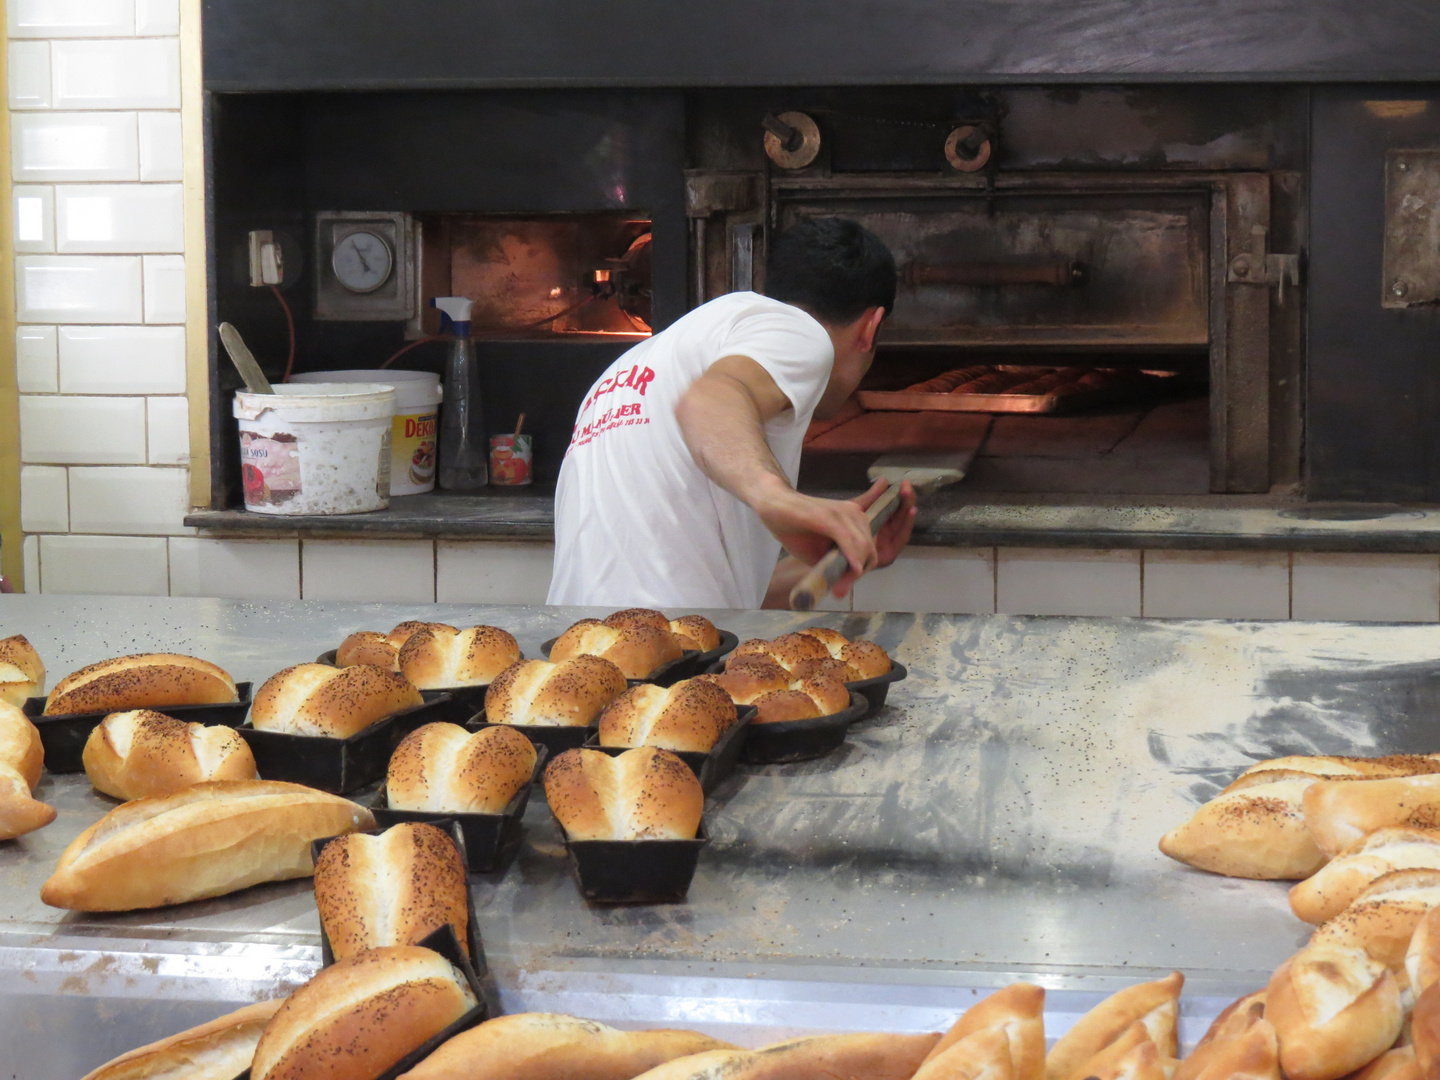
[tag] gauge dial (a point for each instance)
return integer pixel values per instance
(362, 262)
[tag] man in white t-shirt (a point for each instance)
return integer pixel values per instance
(678, 489)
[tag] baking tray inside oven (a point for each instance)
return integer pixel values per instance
(1003, 388)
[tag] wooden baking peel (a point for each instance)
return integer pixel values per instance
(926, 473)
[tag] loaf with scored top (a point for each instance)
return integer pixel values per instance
(567, 693)
(1340, 812)
(1004, 1032)
(1234, 1023)
(690, 631)
(20, 745)
(1154, 1005)
(636, 648)
(1330, 889)
(136, 754)
(142, 681)
(21, 758)
(750, 678)
(320, 700)
(1255, 828)
(440, 657)
(858, 1056)
(642, 794)
(1334, 1009)
(22, 672)
(691, 715)
(442, 768)
(863, 659)
(1383, 918)
(381, 649)
(219, 1050)
(1422, 955)
(806, 699)
(817, 650)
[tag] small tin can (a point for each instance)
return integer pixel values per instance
(510, 457)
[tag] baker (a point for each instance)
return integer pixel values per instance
(678, 488)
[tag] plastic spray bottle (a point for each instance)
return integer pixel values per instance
(463, 454)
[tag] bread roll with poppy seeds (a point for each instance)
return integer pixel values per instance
(1155, 1005)
(22, 672)
(359, 1017)
(393, 889)
(219, 1050)
(1340, 812)
(142, 681)
(864, 659)
(437, 658)
(638, 650)
(861, 1056)
(20, 745)
(136, 754)
(1383, 918)
(695, 632)
(320, 700)
(751, 678)
(444, 769)
(1334, 1009)
(691, 715)
(1255, 828)
(381, 649)
(642, 794)
(568, 693)
(787, 650)
(1339, 767)
(806, 699)
(1330, 889)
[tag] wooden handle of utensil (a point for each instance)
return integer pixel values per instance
(821, 577)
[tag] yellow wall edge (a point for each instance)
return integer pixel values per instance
(197, 309)
(12, 555)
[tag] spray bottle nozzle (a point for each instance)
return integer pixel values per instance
(454, 314)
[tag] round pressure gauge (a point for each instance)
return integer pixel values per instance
(362, 262)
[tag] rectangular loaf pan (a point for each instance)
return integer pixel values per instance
(634, 871)
(711, 768)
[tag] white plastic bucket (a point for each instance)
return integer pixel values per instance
(415, 431)
(316, 448)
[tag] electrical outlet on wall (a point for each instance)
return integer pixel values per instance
(267, 265)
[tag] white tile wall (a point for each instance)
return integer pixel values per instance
(239, 569)
(119, 218)
(1217, 584)
(1061, 581)
(955, 580)
(82, 430)
(74, 146)
(160, 156)
(492, 573)
(395, 571)
(29, 74)
(157, 17)
(36, 365)
(78, 288)
(141, 500)
(1366, 588)
(115, 74)
(44, 499)
(70, 18)
(122, 359)
(34, 218)
(121, 565)
(164, 288)
(168, 424)
(30, 552)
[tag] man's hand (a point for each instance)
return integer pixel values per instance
(893, 535)
(808, 527)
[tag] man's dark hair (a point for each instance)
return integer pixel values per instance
(832, 267)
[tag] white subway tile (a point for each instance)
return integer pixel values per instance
(164, 288)
(104, 565)
(1217, 584)
(78, 288)
(950, 580)
(70, 18)
(156, 18)
(160, 156)
(34, 218)
(122, 359)
(235, 569)
(44, 499)
(29, 74)
(116, 74)
(37, 368)
(390, 571)
(144, 500)
(31, 550)
(119, 218)
(169, 430)
(74, 146)
(1366, 588)
(480, 572)
(1061, 581)
(82, 430)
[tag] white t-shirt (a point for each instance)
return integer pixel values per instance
(636, 521)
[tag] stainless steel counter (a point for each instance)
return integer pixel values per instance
(997, 820)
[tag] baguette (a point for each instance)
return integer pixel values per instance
(642, 794)
(1331, 889)
(636, 648)
(1256, 828)
(550, 1046)
(982, 1055)
(1018, 1009)
(1397, 1064)
(440, 657)
(1254, 1054)
(1425, 1031)
(360, 1016)
(1119, 1056)
(1340, 812)
(142, 681)
(1422, 955)
(208, 840)
(20, 745)
(137, 754)
(219, 1050)
(691, 715)
(22, 672)
(1383, 918)
(20, 813)
(320, 700)
(822, 1057)
(569, 693)
(442, 768)
(1334, 1009)
(1338, 767)
(1234, 1023)
(1143, 1061)
(1156, 1005)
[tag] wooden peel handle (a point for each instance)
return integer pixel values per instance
(821, 577)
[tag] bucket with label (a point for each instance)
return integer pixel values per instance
(316, 448)
(415, 430)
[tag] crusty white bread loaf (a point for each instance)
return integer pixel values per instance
(1397, 1064)
(820, 1057)
(1142, 1061)
(691, 715)
(207, 840)
(320, 700)
(642, 794)
(396, 888)
(569, 693)
(637, 649)
(442, 768)
(1330, 889)
(142, 681)
(20, 745)
(22, 672)
(20, 812)
(864, 659)
(1383, 918)
(551, 1046)
(440, 657)
(983, 1055)
(382, 650)
(1234, 1023)
(1334, 1009)
(136, 754)
(1425, 1031)
(1339, 812)
(1155, 1005)
(219, 1050)
(1252, 1054)
(360, 1016)
(1422, 955)
(1254, 829)
(807, 698)
(1340, 767)
(1018, 1011)
(751, 678)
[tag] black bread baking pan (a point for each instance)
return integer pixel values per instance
(711, 768)
(634, 871)
(801, 740)
(876, 689)
(682, 667)
(491, 840)
(64, 736)
(556, 738)
(339, 765)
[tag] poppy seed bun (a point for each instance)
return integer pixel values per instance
(382, 650)
(637, 650)
(569, 693)
(642, 794)
(691, 715)
(320, 700)
(439, 657)
(804, 700)
(142, 681)
(690, 631)
(442, 768)
(787, 650)
(136, 754)
(22, 672)
(749, 678)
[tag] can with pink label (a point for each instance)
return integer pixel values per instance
(510, 458)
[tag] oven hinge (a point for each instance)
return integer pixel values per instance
(1260, 267)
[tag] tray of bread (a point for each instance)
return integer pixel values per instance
(1004, 388)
